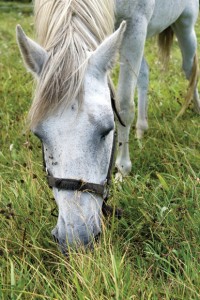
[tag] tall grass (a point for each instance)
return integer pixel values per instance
(153, 251)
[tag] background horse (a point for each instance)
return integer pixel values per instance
(144, 20)
(72, 112)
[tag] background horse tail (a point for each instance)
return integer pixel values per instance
(193, 80)
(165, 40)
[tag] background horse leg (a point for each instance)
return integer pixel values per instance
(131, 54)
(142, 87)
(185, 33)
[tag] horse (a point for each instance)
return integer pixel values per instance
(73, 109)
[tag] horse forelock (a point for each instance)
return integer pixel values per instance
(67, 29)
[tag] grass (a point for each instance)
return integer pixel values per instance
(153, 251)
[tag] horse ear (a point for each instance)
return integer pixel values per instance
(103, 58)
(34, 55)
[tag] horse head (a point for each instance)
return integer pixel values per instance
(77, 141)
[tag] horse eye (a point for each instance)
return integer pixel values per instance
(105, 133)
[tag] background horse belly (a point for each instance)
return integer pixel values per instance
(166, 12)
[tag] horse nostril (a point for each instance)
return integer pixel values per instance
(54, 234)
(55, 239)
(97, 237)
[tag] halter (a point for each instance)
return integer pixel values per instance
(82, 186)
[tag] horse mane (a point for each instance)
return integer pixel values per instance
(67, 29)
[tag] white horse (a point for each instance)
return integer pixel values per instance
(144, 20)
(72, 112)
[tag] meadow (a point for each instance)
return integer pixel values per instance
(153, 252)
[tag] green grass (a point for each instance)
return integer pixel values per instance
(153, 251)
